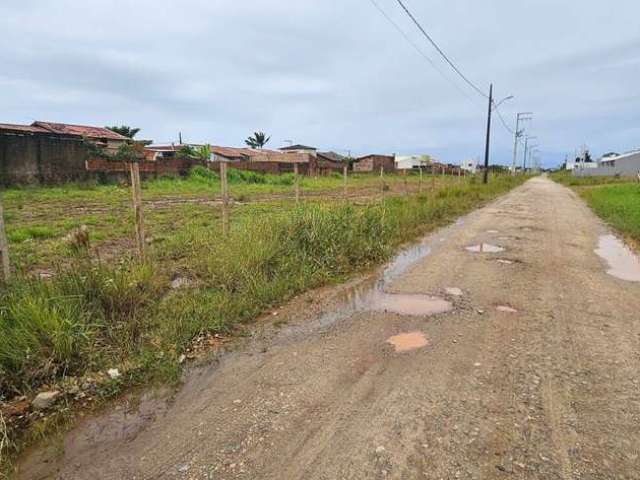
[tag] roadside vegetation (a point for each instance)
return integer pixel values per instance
(72, 313)
(614, 199)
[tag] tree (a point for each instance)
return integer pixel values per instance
(186, 152)
(258, 140)
(130, 152)
(124, 130)
(203, 153)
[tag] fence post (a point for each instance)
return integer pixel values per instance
(137, 208)
(224, 186)
(345, 170)
(420, 183)
(406, 186)
(297, 182)
(4, 246)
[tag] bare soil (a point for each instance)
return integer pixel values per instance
(533, 374)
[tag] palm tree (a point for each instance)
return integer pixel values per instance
(258, 140)
(124, 130)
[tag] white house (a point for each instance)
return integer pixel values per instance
(625, 165)
(470, 165)
(412, 162)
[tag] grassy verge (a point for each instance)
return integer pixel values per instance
(615, 200)
(92, 315)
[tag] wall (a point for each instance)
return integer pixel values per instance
(628, 166)
(106, 169)
(40, 158)
(53, 159)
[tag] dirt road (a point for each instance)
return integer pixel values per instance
(532, 373)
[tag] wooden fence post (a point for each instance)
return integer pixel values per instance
(137, 208)
(420, 184)
(345, 170)
(297, 181)
(406, 186)
(4, 246)
(224, 185)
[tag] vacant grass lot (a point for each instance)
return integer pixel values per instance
(616, 200)
(101, 308)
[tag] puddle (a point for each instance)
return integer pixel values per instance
(371, 295)
(485, 248)
(408, 304)
(623, 263)
(504, 261)
(405, 342)
(455, 291)
(506, 309)
(106, 431)
(493, 232)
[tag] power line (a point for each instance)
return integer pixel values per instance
(504, 123)
(444, 55)
(418, 49)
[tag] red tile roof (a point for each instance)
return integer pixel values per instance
(22, 128)
(81, 130)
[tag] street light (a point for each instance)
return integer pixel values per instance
(496, 105)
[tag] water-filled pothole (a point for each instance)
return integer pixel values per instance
(408, 304)
(485, 248)
(623, 263)
(405, 342)
(371, 295)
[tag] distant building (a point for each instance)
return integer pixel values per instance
(373, 163)
(298, 148)
(48, 152)
(469, 165)
(624, 165)
(412, 162)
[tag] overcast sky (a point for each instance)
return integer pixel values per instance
(330, 73)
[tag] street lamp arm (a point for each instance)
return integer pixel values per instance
(496, 105)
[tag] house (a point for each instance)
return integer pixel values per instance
(328, 162)
(469, 165)
(373, 163)
(624, 165)
(298, 148)
(261, 160)
(158, 152)
(48, 152)
(412, 162)
(102, 137)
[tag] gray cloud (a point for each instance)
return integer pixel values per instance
(332, 74)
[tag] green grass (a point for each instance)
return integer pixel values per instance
(619, 205)
(615, 199)
(98, 314)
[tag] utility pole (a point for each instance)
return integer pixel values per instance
(521, 116)
(526, 152)
(485, 178)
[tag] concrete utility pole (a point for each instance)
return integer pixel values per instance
(521, 116)
(485, 177)
(526, 152)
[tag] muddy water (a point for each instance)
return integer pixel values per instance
(405, 342)
(119, 426)
(485, 248)
(623, 263)
(372, 295)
